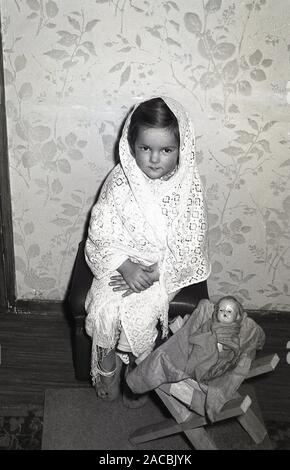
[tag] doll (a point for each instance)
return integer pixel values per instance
(228, 311)
(225, 323)
(214, 346)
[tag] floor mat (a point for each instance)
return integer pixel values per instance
(74, 419)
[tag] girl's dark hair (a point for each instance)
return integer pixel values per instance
(152, 113)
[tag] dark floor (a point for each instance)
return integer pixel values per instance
(36, 355)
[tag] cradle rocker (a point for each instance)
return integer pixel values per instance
(177, 398)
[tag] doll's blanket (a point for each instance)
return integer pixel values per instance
(192, 353)
(205, 361)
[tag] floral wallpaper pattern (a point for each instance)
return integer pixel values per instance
(72, 71)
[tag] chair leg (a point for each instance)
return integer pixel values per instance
(169, 427)
(252, 425)
(198, 437)
(81, 354)
(193, 425)
(165, 428)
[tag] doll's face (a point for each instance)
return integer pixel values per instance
(227, 311)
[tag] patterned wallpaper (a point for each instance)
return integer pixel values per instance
(72, 71)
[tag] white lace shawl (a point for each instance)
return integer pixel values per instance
(150, 221)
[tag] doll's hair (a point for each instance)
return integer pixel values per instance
(233, 299)
(152, 113)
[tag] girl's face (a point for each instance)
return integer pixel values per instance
(227, 311)
(156, 151)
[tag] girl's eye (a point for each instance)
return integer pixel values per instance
(166, 150)
(144, 148)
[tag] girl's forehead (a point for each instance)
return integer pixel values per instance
(162, 135)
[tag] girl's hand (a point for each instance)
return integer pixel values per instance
(134, 277)
(155, 273)
(119, 284)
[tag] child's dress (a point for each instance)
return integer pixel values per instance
(147, 221)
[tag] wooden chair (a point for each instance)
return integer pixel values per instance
(177, 396)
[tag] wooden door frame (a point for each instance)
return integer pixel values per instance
(7, 260)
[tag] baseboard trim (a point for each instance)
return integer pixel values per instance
(42, 307)
(57, 307)
(261, 312)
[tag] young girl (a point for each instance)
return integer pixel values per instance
(146, 240)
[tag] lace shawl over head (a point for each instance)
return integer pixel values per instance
(151, 221)
(184, 245)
